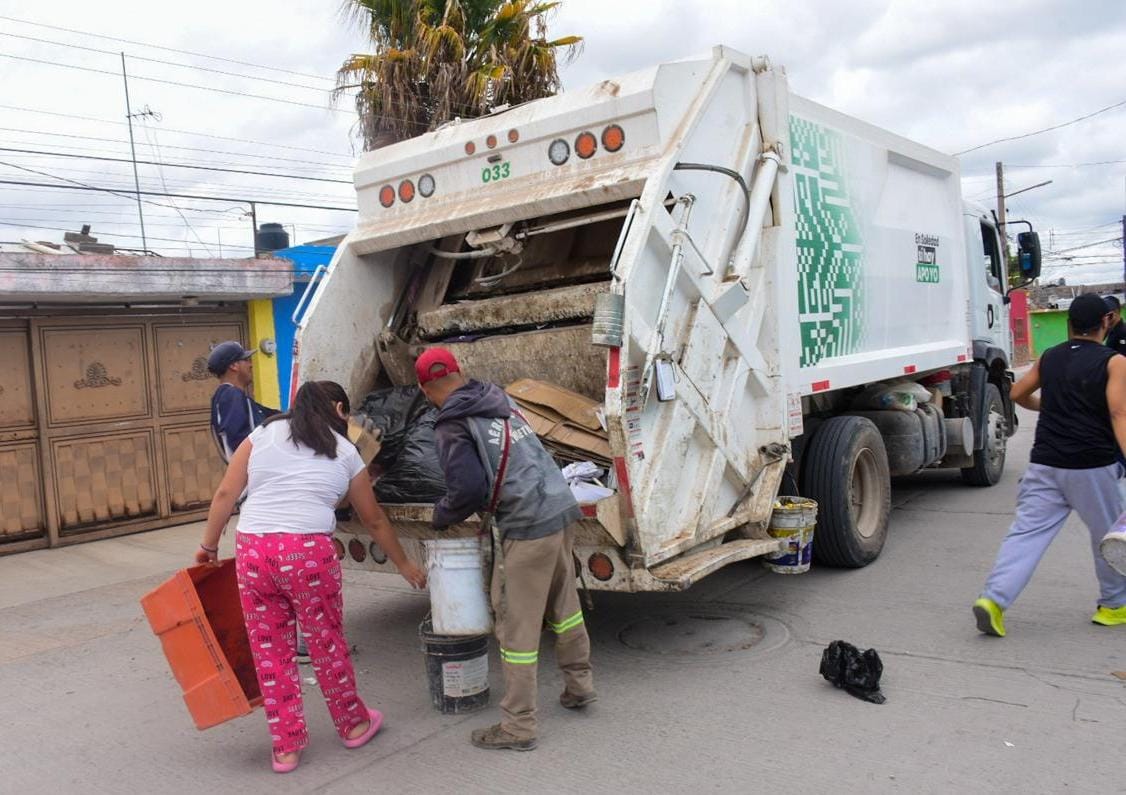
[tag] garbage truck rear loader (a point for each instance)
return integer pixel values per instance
(762, 294)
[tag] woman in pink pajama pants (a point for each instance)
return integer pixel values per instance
(296, 468)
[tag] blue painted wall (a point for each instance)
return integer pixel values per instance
(305, 260)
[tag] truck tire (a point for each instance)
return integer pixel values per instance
(989, 461)
(846, 472)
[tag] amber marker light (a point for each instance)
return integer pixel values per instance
(406, 191)
(612, 138)
(585, 145)
(386, 195)
(600, 566)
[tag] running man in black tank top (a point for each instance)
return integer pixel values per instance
(1082, 405)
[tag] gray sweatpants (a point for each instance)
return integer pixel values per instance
(1047, 497)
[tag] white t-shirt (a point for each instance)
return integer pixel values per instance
(290, 488)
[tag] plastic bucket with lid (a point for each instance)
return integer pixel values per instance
(793, 521)
(458, 602)
(457, 670)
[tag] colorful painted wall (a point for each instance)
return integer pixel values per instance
(1049, 327)
(305, 261)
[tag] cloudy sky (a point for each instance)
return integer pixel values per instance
(952, 75)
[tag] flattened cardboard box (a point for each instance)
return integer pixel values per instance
(553, 428)
(575, 408)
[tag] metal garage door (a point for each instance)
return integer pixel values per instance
(116, 409)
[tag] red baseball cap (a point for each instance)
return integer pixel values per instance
(435, 363)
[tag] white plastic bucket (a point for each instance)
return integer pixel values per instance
(793, 521)
(458, 602)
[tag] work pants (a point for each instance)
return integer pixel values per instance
(539, 584)
(283, 576)
(1047, 497)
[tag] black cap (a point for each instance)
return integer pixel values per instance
(1087, 312)
(225, 354)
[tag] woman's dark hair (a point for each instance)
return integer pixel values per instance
(313, 417)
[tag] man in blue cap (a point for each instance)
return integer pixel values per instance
(234, 414)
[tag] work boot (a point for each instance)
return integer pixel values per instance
(495, 738)
(990, 617)
(572, 701)
(1113, 550)
(1110, 616)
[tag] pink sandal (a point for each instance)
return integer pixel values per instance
(284, 767)
(375, 720)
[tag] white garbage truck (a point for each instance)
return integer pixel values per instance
(765, 297)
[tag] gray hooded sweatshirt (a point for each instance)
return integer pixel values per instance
(535, 500)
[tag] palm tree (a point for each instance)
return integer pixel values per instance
(436, 60)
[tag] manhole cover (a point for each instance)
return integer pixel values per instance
(693, 633)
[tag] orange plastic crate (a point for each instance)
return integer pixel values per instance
(198, 618)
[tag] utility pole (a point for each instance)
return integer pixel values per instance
(133, 149)
(1001, 212)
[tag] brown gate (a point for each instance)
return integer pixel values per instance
(116, 409)
(21, 495)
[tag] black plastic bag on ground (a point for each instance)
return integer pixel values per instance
(393, 411)
(415, 475)
(857, 672)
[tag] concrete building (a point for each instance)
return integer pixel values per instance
(104, 400)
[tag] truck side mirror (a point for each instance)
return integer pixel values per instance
(1028, 255)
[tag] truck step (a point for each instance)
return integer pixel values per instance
(681, 572)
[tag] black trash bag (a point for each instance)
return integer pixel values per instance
(857, 672)
(393, 411)
(415, 475)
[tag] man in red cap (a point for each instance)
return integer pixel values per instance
(495, 465)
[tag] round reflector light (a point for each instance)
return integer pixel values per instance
(470, 147)
(426, 185)
(338, 545)
(600, 566)
(491, 142)
(558, 152)
(406, 191)
(513, 136)
(356, 550)
(612, 138)
(377, 554)
(585, 145)
(386, 195)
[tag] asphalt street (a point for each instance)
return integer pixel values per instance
(716, 689)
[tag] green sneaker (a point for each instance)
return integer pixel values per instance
(990, 617)
(1109, 616)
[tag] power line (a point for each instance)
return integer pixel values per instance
(180, 84)
(166, 49)
(104, 234)
(170, 146)
(159, 61)
(1046, 129)
(174, 165)
(1086, 245)
(120, 192)
(181, 132)
(179, 184)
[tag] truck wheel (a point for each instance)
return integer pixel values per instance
(846, 472)
(989, 461)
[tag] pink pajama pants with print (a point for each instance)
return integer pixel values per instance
(283, 577)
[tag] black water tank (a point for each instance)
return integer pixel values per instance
(271, 237)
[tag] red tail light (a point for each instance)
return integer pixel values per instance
(386, 195)
(406, 191)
